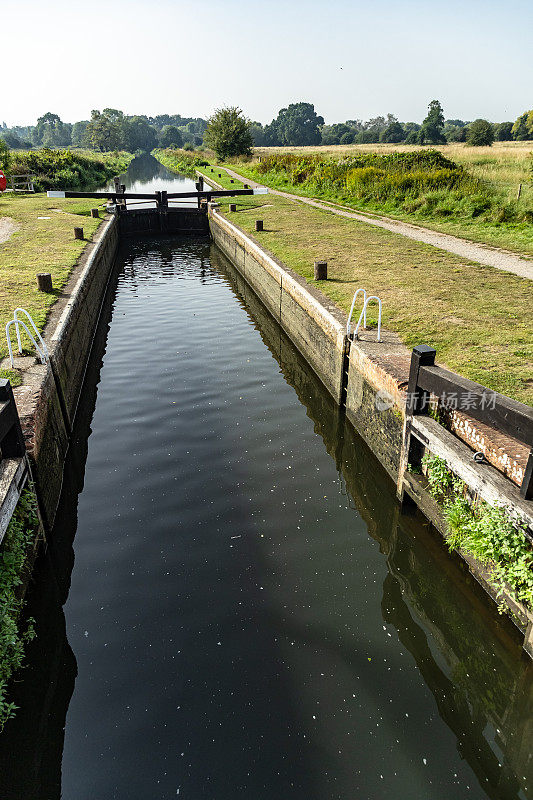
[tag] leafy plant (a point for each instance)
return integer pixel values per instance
(485, 532)
(184, 160)
(17, 542)
(65, 169)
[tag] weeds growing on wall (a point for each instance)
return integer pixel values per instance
(485, 532)
(424, 182)
(14, 551)
(183, 161)
(68, 169)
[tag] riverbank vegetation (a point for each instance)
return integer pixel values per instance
(472, 314)
(66, 169)
(42, 241)
(15, 550)
(485, 195)
(483, 532)
(184, 162)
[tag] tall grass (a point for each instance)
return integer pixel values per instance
(421, 181)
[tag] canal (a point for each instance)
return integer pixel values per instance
(231, 605)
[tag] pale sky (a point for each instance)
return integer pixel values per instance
(352, 60)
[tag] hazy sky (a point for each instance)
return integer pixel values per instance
(351, 59)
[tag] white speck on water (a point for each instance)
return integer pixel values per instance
(424, 761)
(86, 633)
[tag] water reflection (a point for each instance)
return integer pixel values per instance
(145, 174)
(365, 661)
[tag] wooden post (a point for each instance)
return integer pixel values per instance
(78, 233)
(231, 180)
(232, 207)
(259, 224)
(219, 174)
(519, 191)
(116, 181)
(13, 444)
(417, 403)
(245, 186)
(321, 270)
(44, 282)
(526, 489)
(95, 213)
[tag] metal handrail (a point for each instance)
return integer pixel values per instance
(348, 326)
(363, 313)
(42, 353)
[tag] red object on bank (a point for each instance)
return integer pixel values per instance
(3, 182)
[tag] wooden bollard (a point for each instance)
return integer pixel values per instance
(219, 174)
(233, 207)
(44, 282)
(259, 224)
(231, 180)
(95, 212)
(245, 186)
(321, 270)
(78, 233)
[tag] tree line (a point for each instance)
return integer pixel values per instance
(297, 125)
(108, 130)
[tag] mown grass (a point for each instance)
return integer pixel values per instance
(220, 176)
(473, 315)
(503, 167)
(45, 245)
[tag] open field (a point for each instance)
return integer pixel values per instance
(38, 245)
(473, 315)
(504, 166)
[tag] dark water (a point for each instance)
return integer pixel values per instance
(146, 174)
(231, 605)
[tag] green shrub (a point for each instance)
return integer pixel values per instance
(485, 532)
(66, 169)
(14, 551)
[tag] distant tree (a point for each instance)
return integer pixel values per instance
(393, 133)
(13, 141)
(480, 133)
(298, 124)
(456, 133)
(138, 134)
(5, 156)
(523, 127)
(228, 133)
(170, 137)
(104, 131)
(348, 137)
(332, 134)
(79, 133)
(432, 129)
(503, 132)
(50, 131)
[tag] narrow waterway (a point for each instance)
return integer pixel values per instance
(231, 605)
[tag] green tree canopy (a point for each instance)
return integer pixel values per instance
(523, 127)
(228, 133)
(480, 133)
(393, 133)
(5, 156)
(170, 137)
(298, 124)
(504, 132)
(104, 131)
(138, 134)
(432, 129)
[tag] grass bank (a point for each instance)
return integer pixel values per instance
(483, 207)
(76, 170)
(473, 315)
(184, 162)
(42, 242)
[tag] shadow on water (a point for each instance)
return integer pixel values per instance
(469, 659)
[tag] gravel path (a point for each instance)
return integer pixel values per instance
(7, 227)
(483, 254)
